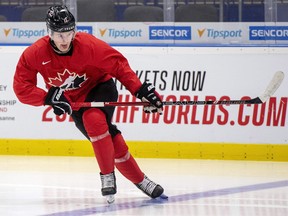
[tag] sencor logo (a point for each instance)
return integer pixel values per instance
(86, 29)
(170, 33)
(268, 32)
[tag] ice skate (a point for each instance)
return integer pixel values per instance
(108, 186)
(151, 189)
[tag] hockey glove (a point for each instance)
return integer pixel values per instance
(147, 93)
(58, 101)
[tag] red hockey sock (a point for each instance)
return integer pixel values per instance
(97, 129)
(125, 162)
(104, 153)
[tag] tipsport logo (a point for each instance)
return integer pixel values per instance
(21, 33)
(123, 33)
(215, 34)
(268, 32)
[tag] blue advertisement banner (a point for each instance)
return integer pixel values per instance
(170, 32)
(268, 32)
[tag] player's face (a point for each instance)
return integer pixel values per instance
(63, 40)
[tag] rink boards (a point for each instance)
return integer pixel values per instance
(241, 132)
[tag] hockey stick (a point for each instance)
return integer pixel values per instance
(270, 90)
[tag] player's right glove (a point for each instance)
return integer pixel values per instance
(58, 101)
(147, 93)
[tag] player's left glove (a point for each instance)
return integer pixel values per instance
(58, 101)
(147, 93)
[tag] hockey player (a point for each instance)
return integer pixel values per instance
(78, 67)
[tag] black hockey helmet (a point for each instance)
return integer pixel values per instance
(60, 19)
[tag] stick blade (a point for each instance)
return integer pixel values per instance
(273, 86)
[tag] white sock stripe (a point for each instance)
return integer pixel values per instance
(123, 159)
(102, 136)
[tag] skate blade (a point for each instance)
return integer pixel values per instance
(163, 196)
(110, 199)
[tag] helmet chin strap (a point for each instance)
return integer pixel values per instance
(55, 48)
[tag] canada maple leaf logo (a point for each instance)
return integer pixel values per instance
(67, 80)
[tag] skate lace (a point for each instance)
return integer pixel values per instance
(147, 185)
(108, 180)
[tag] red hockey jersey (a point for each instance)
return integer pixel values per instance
(92, 61)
